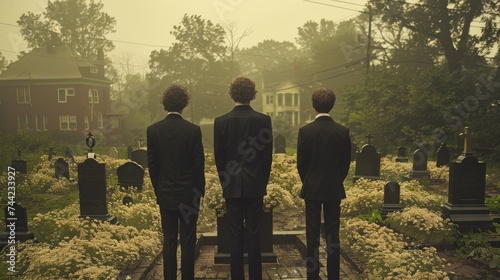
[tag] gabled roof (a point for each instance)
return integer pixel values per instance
(42, 64)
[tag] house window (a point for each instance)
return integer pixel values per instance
(45, 121)
(269, 99)
(63, 93)
(96, 96)
(114, 122)
(67, 122)
(91, 97)
(41, 122)
(86, 122)
(23, 94)
(280, 99)
(99, 120)
(24, 122)
(296, 99)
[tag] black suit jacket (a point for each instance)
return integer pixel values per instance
(243, 142)
(323, 159)
(176, 160)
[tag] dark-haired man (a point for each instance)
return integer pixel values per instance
(323, 158)
(243, 144)
(176, 167)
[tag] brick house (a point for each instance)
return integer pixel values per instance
(52, 89)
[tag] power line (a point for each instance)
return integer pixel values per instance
(330, 5)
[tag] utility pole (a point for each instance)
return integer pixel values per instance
(368, 44)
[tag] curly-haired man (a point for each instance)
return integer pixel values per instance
(176, 167)
(243, 144)
(323, 158)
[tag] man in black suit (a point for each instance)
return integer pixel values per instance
(323, 158)
(176, 167)
(243, 142)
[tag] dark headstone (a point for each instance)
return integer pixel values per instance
(280, 144)
(141, 157)
(61, 168)
(443, 156)
(16, 225)
(130, 174)
(354, 151)
(92, 185)
(129, 152)
(367, 163)
(401, 155)
(419, 169)
(466, 195)
(223, 256)
(20, 166)
(392, 192)
(127, 200)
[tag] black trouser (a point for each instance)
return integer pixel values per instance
(331, 212)
(245, 214)
(186, 217)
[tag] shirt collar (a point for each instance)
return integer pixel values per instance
(174, 113)
(322, 115)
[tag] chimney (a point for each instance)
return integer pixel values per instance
(54, 42)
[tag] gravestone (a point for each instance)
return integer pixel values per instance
(19, 164)
(16, 225)
(466, 192)
(113, 153)
(367, 163)
(141, 157)
(354, 151)
(61, 168)
(222, 254)
(443, 156)
(92, 186)
(280, 144)
(419, 168)
(129, 152)
(130, 174)
(392, 193)
(401, 155)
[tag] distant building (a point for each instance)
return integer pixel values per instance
(52, 89)
(279, 96)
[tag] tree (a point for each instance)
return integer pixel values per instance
(197, 60)
(3, 63)
(81, 24)
(268, 55)
(446, 24)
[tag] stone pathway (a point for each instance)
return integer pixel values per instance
(290, 265)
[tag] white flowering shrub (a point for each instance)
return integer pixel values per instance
(362, 198)
(440, 173)
(425, 226)
(383, 252)
(277, 198)
(393, 171)
(414, 194)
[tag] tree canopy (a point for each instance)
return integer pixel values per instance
(81, 25)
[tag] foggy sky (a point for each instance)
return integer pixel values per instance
(144, 26)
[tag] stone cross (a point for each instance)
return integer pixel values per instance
(90, 141)
(467, 139)
(51, 153)
(369, 136)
